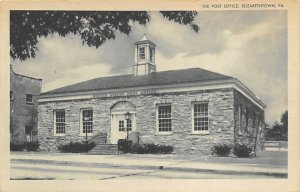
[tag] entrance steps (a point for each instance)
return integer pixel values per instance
(104, 149)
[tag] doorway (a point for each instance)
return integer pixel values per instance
(120, 126)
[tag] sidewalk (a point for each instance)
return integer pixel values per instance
(165, 162)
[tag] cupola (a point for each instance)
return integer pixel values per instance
(144, 57)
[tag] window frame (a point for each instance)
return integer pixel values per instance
(29, 102)
(240, 121)
(193, 118)
(129, 122)
(55, 122)
(152, 55)
(157, 120)
(139, 53)
(81, 122)
(121, 129)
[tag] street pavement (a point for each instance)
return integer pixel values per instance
(132, 166)
(21, 171)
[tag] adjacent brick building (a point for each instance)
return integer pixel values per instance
(23, 107)
(190, 109)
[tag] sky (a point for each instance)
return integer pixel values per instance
(248, 45)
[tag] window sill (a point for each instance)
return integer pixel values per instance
(200, 133)
(83, 134)
(164, 133)
(59, 135)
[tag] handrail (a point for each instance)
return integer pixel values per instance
(97, 138)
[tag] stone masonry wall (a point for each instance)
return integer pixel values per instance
(250, 122)
(221, 119)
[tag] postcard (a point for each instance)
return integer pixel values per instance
(143, 96)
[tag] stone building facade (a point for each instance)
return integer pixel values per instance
(23, 107)
(190, 109)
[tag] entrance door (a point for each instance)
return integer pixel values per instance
(119, 126)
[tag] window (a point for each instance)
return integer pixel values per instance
(200, 116)
(164, 118)
(129, 125)
(240, 120)
(247, 113)
(11, 96)
(87, 121)
(152, 55)
(256, 119)
(29, 98)
(29, 133)
(60, 120)
(121, 126)
(142, 54)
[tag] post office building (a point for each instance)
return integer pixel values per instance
(190, 109)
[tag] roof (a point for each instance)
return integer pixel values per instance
(144, 40)
(23, 75)
(152, 79)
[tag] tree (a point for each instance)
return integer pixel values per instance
(284, 121)
(279, 131)
(94, 27)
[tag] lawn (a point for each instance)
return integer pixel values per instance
(263, 158)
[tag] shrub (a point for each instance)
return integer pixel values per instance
(124, 145)
(150, 148)
(221, 150)
(32, 146)
(242, 150)
(76, 147)
(138, 148)
(17, 146)
(166, 149)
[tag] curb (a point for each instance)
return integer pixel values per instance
(230, 172)
(148, 167)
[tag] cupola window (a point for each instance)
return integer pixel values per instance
(142, 54)
(152, 55)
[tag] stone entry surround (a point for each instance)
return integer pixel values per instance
(118, 111)
(221, 119)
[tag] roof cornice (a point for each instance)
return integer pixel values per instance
(169, 88)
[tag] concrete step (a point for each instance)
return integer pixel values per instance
(105, 149)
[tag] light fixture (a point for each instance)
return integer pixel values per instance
(127, 115)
